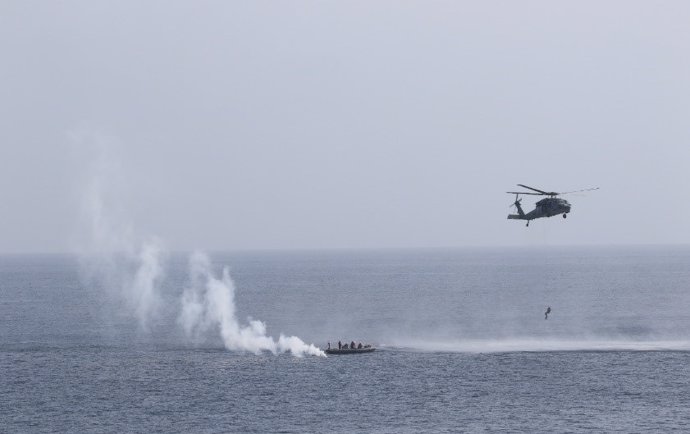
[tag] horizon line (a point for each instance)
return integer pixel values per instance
(366, 248)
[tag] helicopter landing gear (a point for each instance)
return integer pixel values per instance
(565, 215)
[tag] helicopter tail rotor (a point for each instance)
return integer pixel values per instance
(516, 203)
(517, 206)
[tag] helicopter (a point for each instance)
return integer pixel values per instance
(547, 207)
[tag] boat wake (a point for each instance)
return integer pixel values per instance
(538, 345)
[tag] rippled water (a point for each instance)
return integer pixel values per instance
(463, 345)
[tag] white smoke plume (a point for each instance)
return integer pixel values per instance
(144, 289)
(131, 273)
(208, 304)
(128, 272)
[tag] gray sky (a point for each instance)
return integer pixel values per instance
(236, 125)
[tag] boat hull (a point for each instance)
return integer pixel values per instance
(350, 350)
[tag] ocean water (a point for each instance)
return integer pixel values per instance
(462, 343)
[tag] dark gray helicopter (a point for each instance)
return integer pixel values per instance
(547, 207)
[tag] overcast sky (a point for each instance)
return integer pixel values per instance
(321, 124)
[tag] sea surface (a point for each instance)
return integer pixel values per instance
(462, 344)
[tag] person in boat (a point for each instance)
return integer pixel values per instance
(359, 346)
(329, 345)
(340, 346)
(548, 311)
(352, 345)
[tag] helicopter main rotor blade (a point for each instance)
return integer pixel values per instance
(577, 191)
(536, 189)
(523, 192)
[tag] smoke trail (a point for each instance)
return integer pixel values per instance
(130, 274)
(111, 261)
(209, 304)
(143, 291)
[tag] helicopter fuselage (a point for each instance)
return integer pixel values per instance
(550, 207)
(547, 207)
